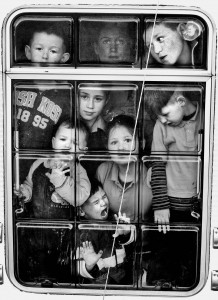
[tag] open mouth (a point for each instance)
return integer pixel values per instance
(104, 212)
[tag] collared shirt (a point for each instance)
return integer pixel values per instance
(181, 171)
(108, 175)
(99, 123)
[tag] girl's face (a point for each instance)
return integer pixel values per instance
(121, 140)
(113, 45)
(91, 103)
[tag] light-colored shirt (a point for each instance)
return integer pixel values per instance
(108, 174)
(64, 185)
(180, 144)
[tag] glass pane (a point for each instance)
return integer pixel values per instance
(108, 41)
(176, 186)
(175, 42)
(43, 41)
(120, 186)
(44, 254)
(39, 107)
(173, 119)
(99, 103)
(169, 262)
(103, 258)
(44, 186)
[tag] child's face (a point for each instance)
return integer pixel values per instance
(166, 45)
(46, 48)
(121, 140)
(91, 103)
(113, 45)
(173, 113)
(97, 206)
(65, 139)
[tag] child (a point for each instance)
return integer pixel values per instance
(174, 183)
(91, 104)
(92, 101)
(94, 255)
(173, 43)
(47, 44)
(39, 107)
(114, 44)
(49, 185)
(112, 174)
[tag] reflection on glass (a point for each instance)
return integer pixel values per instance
(43, 254)
(169, 262)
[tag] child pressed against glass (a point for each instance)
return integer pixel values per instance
(49, 186)
(174, 183)
(114, 44)
(173, 43)
(94, 254)
(91, 104)
(112, 174)
(47, 44)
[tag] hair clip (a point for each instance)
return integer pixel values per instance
(190, 30)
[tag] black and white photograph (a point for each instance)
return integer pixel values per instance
(108, 150)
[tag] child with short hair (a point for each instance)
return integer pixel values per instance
(174, 43)
(94, 254)
(174, 183)
(47, 44)
(49, 186)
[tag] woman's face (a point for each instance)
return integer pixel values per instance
(91, 103)
(166, 44)
(113, 45)
(120, 139)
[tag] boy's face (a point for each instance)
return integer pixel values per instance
(172, 114)
(97, 206)
(91, 103)
(46, 48)
(113, 45)
(166, 45)
(65, 139)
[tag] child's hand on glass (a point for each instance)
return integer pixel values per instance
(56, 164)
(162, 219)
(89, 255)
(22, 192)
(122, 229)
(59, 169)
